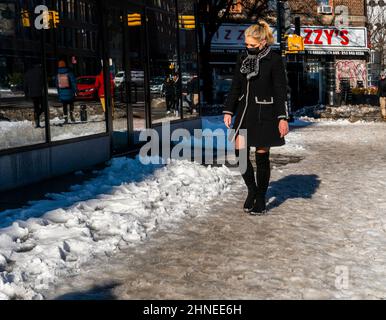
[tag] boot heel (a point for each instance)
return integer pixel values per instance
(260, 206)
(250, 201)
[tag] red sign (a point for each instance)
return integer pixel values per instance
(325, 37)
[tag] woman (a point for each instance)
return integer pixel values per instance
(66, 85)
(258, 100)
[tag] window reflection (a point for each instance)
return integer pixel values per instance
(165, 82)
(188, 54)
(22, 109)
(76, 89)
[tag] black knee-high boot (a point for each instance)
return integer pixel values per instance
(263, 175)
(249, 179)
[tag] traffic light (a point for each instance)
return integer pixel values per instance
(25, 20)
(134, 19)
(55, 19)
(187, 22)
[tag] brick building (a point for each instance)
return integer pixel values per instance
(336, 48)
(333, 66)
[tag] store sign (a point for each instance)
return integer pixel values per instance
(325, 40)
(337, 52)
(231, 37)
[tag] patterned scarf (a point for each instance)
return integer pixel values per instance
(251, 64)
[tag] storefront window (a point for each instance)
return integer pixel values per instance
(117, 24)
(134, 79)
(51, 82)
(311, 94)
(189, 59)
(165, 82)
(22, 111)
(76, 91)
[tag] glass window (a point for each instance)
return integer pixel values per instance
(165, 82)
(134, 79)
(22, 111)
(76, 91)
(189, 58)
(116, 24)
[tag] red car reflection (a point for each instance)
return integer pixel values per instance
(86, 88)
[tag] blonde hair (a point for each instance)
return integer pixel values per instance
(260, 31)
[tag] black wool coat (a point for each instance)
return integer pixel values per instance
(382, 88)
(33, 82)
(259, 104)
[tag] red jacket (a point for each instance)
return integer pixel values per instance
(99, 83)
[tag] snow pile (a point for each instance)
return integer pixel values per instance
(120, 207)
(328, 121)
(19, 133)
(352, 113)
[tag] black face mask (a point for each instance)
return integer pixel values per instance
(253, 51)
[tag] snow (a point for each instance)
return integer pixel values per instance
(324, 121)
(128, 201)
(326, 217)
(19, 133)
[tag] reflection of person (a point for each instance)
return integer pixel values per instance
(168, 90)
(382, 94)
(177, 91)
(33, 89)
(66, 85)
(258, 98)
(99, 84)
(193, 91)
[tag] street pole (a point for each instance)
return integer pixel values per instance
(299, 62)
(283, 24)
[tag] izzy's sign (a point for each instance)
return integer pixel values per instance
(326, 39)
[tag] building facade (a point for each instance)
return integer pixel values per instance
(120, 53)
(336, 50)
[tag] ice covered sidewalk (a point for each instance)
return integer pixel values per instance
(53, 238)
(178, 231)
(324, 236)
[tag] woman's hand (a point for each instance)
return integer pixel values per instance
(228, 120)
(283, 128)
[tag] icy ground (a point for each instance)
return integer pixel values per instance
(324, 236)
(121, 207)
(178, 232)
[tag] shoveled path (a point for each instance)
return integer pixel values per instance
(323, 238)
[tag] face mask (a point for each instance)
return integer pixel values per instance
(253, 51)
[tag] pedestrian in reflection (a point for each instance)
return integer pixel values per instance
(193, 91)
(177, 92)
(33, 89)
(66, 85)
(168, 90)
(99, 84)
(258, 101)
